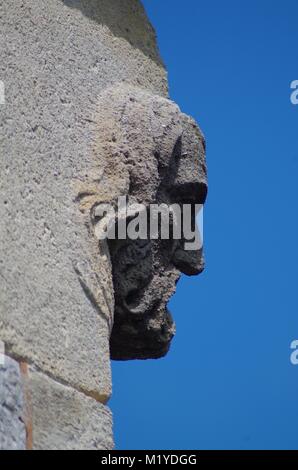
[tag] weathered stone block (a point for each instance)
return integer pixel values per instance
(65, 419)
(12, 427)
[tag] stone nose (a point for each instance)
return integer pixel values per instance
(189, 262)
(189, 192)
(191, 195)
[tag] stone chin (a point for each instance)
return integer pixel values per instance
(147, 339)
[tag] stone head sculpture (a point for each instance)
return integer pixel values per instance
(153, 154)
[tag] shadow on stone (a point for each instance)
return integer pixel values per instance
(126, 19)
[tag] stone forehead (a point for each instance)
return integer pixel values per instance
(137, 133)
(139, 120)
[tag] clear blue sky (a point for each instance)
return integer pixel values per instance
(227, 382)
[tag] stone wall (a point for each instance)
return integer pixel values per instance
(57, 57)
(84, 120)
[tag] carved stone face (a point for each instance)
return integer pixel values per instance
(145, 272)
(153, 154)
